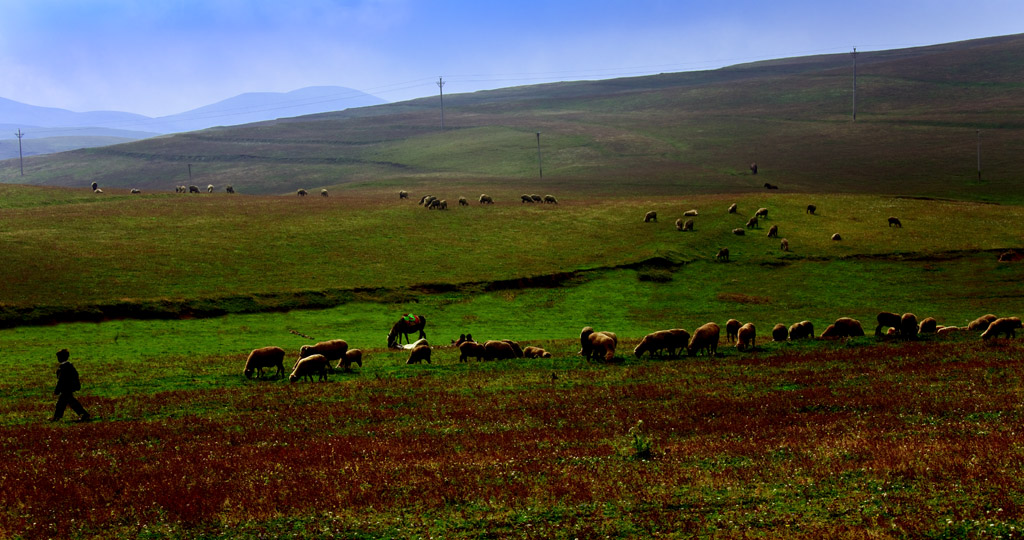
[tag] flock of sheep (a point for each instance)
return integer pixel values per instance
(431, 202)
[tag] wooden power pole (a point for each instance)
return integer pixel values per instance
(440, 86)
(21, 159)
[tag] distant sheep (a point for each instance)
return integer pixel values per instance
(981, 323)
(463, 201)
(535, 352)
(209, 188)
(97, 190)
(193, 189)
(443, 205)
(705, 338)
(679, 224)
(486, 199)
(947, 331)
(723, 254)
(732, 208)
(135, 191)
(301, 193)
(836, 237)
(780, 333)
(309, 366)
(688, 225)
(770, 186)
(801, 330)
(811, 209)
(662, 340)
(908, 326)
(895, 222)
(746, 337)
(650, 216)
(550, 199)
(739, 231)
(230, 189)
(499, 350)
(761, 212)
(323, 192)
(516, 349)
(773, 231)
(597, 344)
(471, 349)
(526, 199)
(403, 194)
(732, 326)
(419, 354)
(752, 222)
(1003, 325)
(334, 349)
(352, 356)
(689, 213)
(266, 357)
(843, 327)
(784, 245)
(887, 319)
(536, 198)
(928, 325)
(434, 204)
(427, 200)
(94, 186)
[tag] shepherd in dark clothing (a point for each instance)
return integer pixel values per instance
(67, 385)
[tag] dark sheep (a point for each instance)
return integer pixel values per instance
(732, 208)
(193, 189)
(688, 225)
(1003, 325)
(309, 366)
(801, 330)
(811, 209)
(352, 356)
(463, 201)
(887, 319)
(471, 349)
(536, 198)
(770, 186)
(486, 199)
(266, 357)
(895, 222)
(323, 192)
(836, 237)
(928, 325)
(981, 323)
(403, 194)
(753, 168)
(301, 193)
(773, 231)
(526, 199)
(746, 337)
(843, 327)
(419, 354)
(732, 326)
(594, 345)
(908, 326)
(650, 216)
(662, 340)
(780, 333)
(94, 186)
(752, 222)
(334, 349)
(229, 189)
(516, 349)
(679, 224)
(705, 338)
(739, 231)
(499, 350)
(550, 199)
(723, 254)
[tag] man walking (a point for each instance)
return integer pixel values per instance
(67, 385)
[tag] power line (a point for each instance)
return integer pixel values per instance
(21, 161)
(440, 86)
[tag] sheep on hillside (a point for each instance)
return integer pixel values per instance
(193, 189)
(773, 231)
(780, 333)
(526, 199)
(209, 188)
(499, 350)
(895, 222)
(811, 209)
(928, 325)
(739, 231)
(334, 349)
(650, 216)
(746, 337)
(723, 255)
(784, 245)
(486, 199)
(471, 349)
(705, 338)
(535, 352)
(301, 193)
(981, 323)
(352, 356)
(887, 319)
(761, 212)
(265, 357)
(403, 194)
(752, 223)
(419, 354)
(323, 192)
(463, 201)
(230, 189)
(731, 327)
(836, 237)
(1003, 325)
(309, 366)
(732, 208)
(801, 330)
(594, 345)
(550, 199)
(662, 340)
(908, 326)
(690, 213)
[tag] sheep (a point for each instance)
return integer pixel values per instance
(97, 190)
(419, 354)
(801, 330)
(486, 199)
(550, 199)
(433, 204)
(94, 186)
(323, 192)
(761, 212)
(655, 342)
(403, 194)
(690, 213)
(908, 326)
(928, 325)
(752, 222)
(594, 343)
(688, 225)
(843, 327)
(731, 327)
(309, 366)
(265, 357)
(745, 337)
(770, 186)
(780, 332)
(471, 349)
(135, 191)
(301, 193)
(753, 168)
(230, 189)
(732, 208)
(981, 323)
(723, 255)
(535, 352)
(784, 245)
(679, 224)
(895, 222)
(811, 209)
(209, 188)
(705, 338)
(739, 231)
(499, 350)
(443, 205)
(773, 231)
(1002, 325)
(836, 237)
(463, 201)
(427, 200)
(526, 199)
(516, 349)
(352, 356)
(651, 216)
(887, 318)
(947, 331)
(193, 189)
(334, 349)
(536, 198)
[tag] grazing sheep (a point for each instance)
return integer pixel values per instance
(887, 318)
(705, 338)
(689, 213)
(752, 222)
(427, 200)
(811, 209)
(193, 189)
(323, 192)
(908, 326)
(753, 168)
(679, 224)
(761, 212)
(352, 356)
(550, 199)
(594, 344)
(463, 201)
(94, 186)
(1003, 325)
(667, 340)
(419, 354)
(266, 357)
(723, 254)
(526, 199)
(486, 199)
(843, 327)
(443, 205)
(773, 231)
(135, 191)
(732, 208)
(731, 327)
(536, 198)
(230, 189)
(780, 333)
(535, 352)
(928, 325)
(499, 350)
(97, 190)
(334, 349)
(770, 186)
(471, 349)
(801, 330)
(738, 231)
(403, 194)
(745, 337)
(688, 225)
(423, 199)
(895, 222)
(947, 331)
(831, 332)
(981, 323)
(433, 204)
(516, 349)
(650, 216)
(784, 245)
(301, 193)
(836, 237)
(209, 188)
(309, 366)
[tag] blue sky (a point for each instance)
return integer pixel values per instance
(158, 57)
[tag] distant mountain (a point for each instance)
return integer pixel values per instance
(45, 122)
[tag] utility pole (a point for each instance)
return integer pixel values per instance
(21, 159)
(540, 166)
(855, 84)
(189, 173)
(979, 154)
(440, 86)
